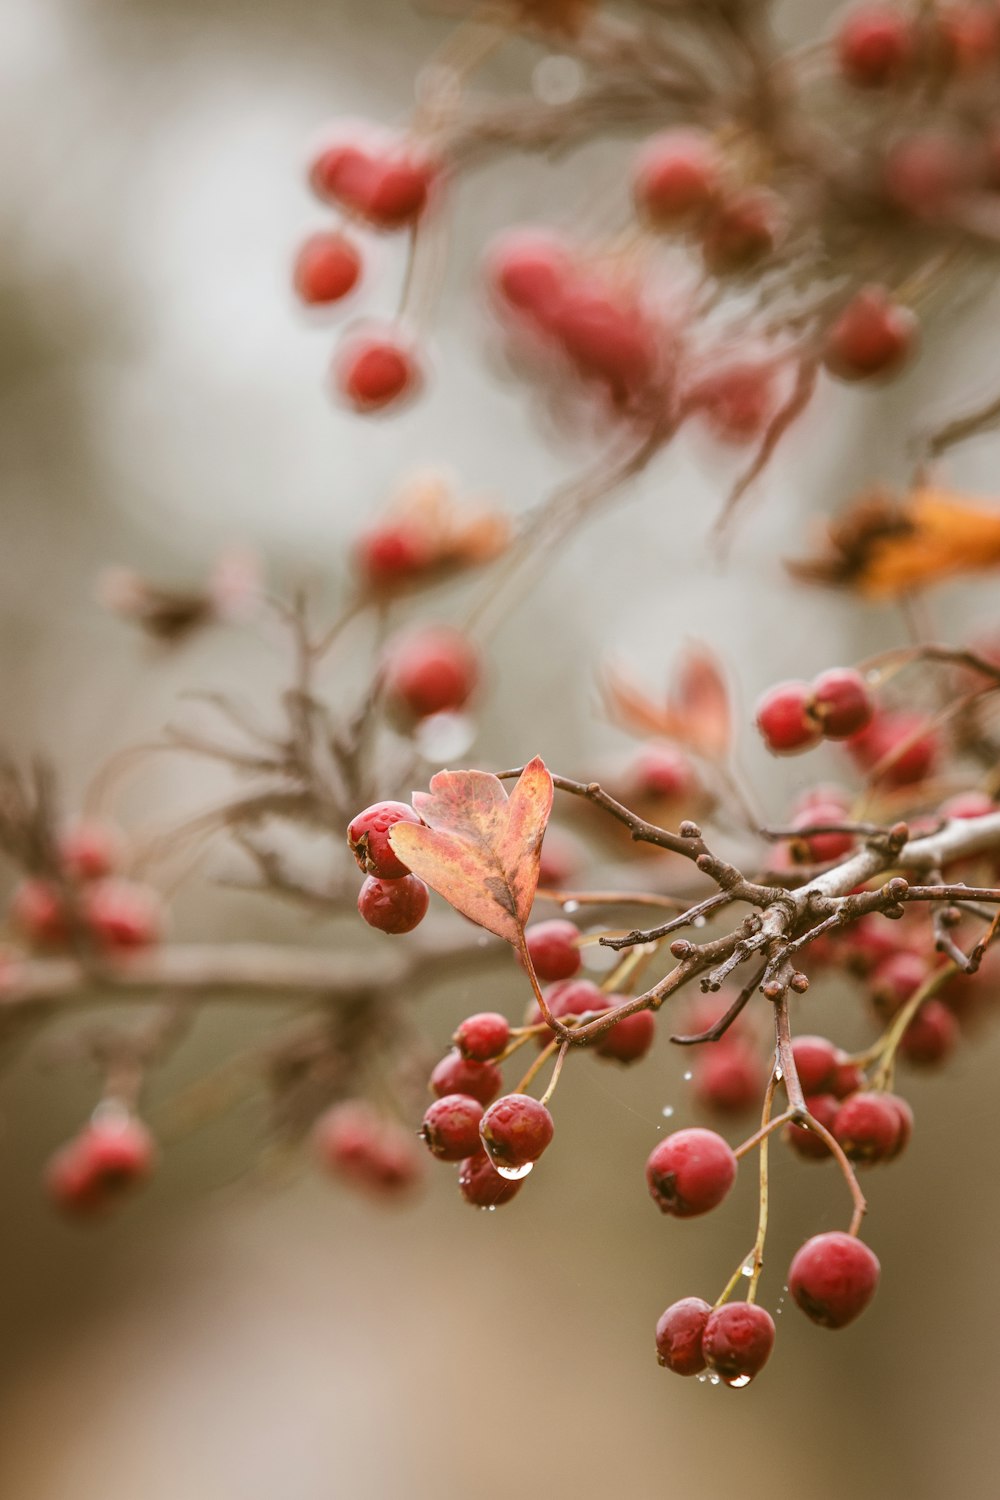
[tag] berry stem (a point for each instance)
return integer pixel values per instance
(758, 1246)
(556, 1071)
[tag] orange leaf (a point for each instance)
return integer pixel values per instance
(480, 848)
(700, 699)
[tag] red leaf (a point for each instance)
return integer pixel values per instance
(480, 848)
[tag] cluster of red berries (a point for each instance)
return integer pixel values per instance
(383, 186)
(367, 1150)
(796, 716)
(391, 899)
(90, 902)
(832, 1277)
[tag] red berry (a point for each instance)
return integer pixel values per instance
(968, 38)
(482, 1037)
(629, 1039)
(327, 267)
(482, 1185)
(374, 372)
(431, 670)
(366, 1150)
(676, 175)
(450, 1127)
(456, 1074)
(38, 912)
(821, 848)
(515, 1131)
(847, 1080)
(742, 230)
(805, 1142)
(737, 400)
(841, 703)
(931, 1036)
(529, 269)
(607, 340)
(569, 997)
(927, 173)
(971, 804)
(867, 1127)
(679, 1334)
(895, 979)
(886, 736)
(737, 1341)
(872, 336)
(729, 1077)
(815, 1062)
(875, 46)
(554, 948)
(784, 721)
(387, 186)
(121, 916)
(833, 1278)
(690, 1172)
(90, 851)
(391, 557)
(393, 906)
(368, 838)
(113, 1153)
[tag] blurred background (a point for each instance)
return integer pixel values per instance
(163, 398)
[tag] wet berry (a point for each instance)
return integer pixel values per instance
(483, 1036)
(808, 1143)
(456, 1074)
(629, 1039)
(737, 1341)
(481, 1184)
(393, 906)
(516, 1130)
(833, 1278)
(690, 1172)
(450, 1128)
(368, 838)
(679, 1334)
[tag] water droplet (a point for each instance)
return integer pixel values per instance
(557, 79)
(443, 736)
(747, 1267)
(571, 906)
(688, 1076)
(514, 1174)
(779, 1075)
(714, 1379)
(702, 1379)
(739, 1382)
(698, 921)
(668, 1110)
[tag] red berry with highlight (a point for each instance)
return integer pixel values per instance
(679, 1334)
(629, 1039)
(516, 1130)
(737, 1341)
(386, 185)
(327, 268)
(482, 1037)
(450, 1128)
(833, 1277)
(456, 1074)
(368, 838)
(554, 948)
(393, 906)
(690, 1172)
(841, 703)
(784, 721)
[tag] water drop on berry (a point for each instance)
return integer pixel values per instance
(747, 1267)
(514, 1174)
(739, 1382)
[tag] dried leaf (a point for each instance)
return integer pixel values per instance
(696, 712)
(883, 548)
(480, 848)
